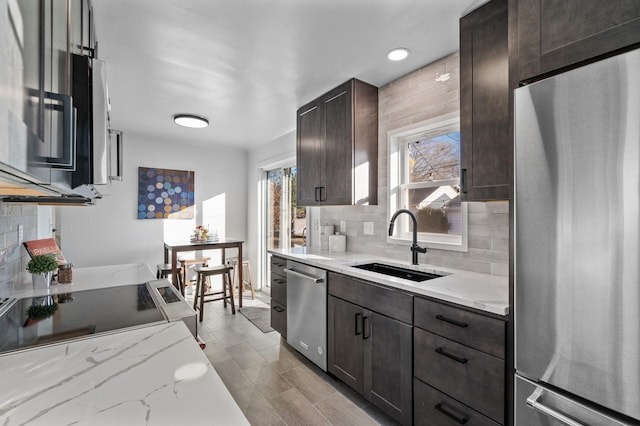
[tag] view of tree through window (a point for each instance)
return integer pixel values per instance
(286, 228)
(432, 183)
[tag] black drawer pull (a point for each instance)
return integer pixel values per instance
(279, 281)
(452, 356)
(450, 321)
(366, 327)
(280, 265)
(445, 410)
(358, 323)
(278, 309)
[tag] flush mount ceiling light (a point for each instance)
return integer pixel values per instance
(191, 120)
(398, 54)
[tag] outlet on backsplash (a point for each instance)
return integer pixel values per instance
(368, 228)
(343, 226)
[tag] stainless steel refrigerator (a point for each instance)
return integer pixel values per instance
(577, 237)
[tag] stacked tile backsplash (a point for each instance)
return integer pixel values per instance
(411, 99)
(13, 256)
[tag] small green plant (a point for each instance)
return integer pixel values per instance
(42, 264)
(38, 312)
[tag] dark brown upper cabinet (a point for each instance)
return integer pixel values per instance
(553, 35)
(485, 154)
(337, 147)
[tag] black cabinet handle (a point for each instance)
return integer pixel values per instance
(463, 181)
(365, 326)
(451, 321)
(279, 281)
(278, 309)
(358, 323)
(445, 410)
(280, 265)
(318, 194)
(452, 356)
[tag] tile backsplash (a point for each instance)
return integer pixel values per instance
(416, 97)
(13, 256)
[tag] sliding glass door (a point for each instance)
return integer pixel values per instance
(286, 223)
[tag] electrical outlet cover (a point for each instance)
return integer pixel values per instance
(368, 228)
(343, 226)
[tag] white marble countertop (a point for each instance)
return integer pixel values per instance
(154, 375)
(149, 375)
(488, 293)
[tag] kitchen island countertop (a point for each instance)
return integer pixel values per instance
(151, 375)
(489, 293)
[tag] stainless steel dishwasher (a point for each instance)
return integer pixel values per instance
(307, 311)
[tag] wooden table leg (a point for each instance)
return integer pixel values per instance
(240, 268)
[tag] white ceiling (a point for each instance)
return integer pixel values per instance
(248, 65)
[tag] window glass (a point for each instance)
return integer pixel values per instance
(424, 177)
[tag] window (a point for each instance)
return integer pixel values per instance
(424, 177)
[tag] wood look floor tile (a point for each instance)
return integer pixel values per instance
(256, 407)
(312, 387)
(231, 375)
(296, 410)
(340, 411)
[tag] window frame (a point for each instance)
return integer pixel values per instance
(396, 190)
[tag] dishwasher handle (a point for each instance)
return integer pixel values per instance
(305, 276)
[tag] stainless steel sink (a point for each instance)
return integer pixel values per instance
(397, 271)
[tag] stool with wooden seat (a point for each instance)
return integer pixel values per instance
(246, 272)
(164, 271)
(186, 262)
(204, 272)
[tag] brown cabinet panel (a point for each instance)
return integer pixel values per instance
(390, 302)
(310, 153)
(468, 375)
(279, 318)
(433, 408)
(554, 34)
(277, 265)
(279, 289)
(469, 328)
(387, 359)
(344, 342)
(485, 157)
(337, 147)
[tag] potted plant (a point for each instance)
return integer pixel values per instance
(41, 268)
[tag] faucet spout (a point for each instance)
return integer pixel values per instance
(415, 248)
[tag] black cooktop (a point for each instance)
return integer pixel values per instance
(35, 321)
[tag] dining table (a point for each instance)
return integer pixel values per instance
(177, 246)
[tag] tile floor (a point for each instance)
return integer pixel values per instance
(271, 382)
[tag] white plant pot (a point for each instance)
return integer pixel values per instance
(42, 280)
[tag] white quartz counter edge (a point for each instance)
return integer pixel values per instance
(485, 292)
(154, 375)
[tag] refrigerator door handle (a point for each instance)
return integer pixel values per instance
(533, 402)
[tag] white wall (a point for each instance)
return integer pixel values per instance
(110, 233)
(277, 150)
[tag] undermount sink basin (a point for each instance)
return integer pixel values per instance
(397, 271)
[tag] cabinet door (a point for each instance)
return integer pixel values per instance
(338, 124)
(344, 336)
(485, 156)
(311, 156)
(279, 318)
(387, 365)
(554, 34)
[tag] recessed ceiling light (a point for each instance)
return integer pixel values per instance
(398, 54)
(191, 120)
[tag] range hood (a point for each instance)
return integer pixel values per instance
(44, 200)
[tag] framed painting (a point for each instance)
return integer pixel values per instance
(165, 193)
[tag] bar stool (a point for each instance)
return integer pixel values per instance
(204, 272)
(185, 262)
(164, 271)
(246, 265)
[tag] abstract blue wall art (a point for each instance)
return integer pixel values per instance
(165, 193)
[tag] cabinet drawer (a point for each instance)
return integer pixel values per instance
(469, 328)
(277, 266)
(279, 289)
(279, 318)
(470, 376)
(433, 408)
(385, 301)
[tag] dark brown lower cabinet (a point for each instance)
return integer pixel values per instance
(372, 354)
(433, 408)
